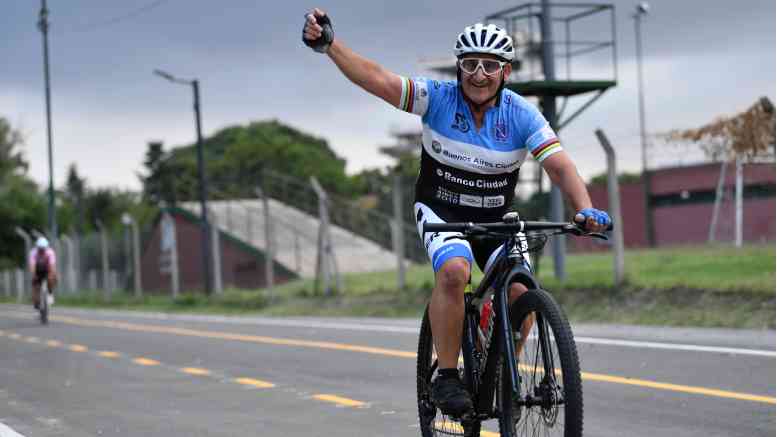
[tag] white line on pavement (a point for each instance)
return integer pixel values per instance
(8, 432)
(413, 329)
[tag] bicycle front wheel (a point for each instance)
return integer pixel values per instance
(432, 421)
(551, 396)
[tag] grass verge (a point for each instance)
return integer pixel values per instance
(706, 286)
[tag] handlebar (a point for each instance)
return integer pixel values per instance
(473, 229)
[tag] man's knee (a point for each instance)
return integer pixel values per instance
(454, 274)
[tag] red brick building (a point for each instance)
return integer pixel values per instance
(242, 265)
(682, 200)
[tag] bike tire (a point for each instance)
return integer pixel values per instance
(545, 417)
(432, 422)
(44, 309)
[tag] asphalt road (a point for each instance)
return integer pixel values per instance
(99, 373)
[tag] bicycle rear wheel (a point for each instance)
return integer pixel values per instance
(432, 421)
(551, 402)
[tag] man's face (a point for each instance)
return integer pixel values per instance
(479, 85)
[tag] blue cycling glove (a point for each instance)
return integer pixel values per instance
(600, 217)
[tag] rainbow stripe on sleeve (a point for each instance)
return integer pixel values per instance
(408, 95)
(546, 149)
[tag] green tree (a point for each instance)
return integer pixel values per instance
(159, 181)
(75, 188)
(21, 205)
(11, 158)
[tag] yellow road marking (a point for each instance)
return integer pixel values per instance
(195, 371)
(146, 362)
(677, 387)
(108, 354)
(339, 400)
(237, 337)
(389, 352)
(53, 343)
(254, 382)
(32, 340)
(78, 348)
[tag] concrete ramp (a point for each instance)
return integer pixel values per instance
(295, 236)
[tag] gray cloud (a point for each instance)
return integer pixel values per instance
(702, 59)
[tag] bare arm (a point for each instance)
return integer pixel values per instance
(365, 73)
(562, 172)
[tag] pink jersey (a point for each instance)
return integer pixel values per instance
(48, 253)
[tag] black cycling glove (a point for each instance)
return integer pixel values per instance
(321, 44)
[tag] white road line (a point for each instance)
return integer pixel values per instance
(673, 346)
(8, 432)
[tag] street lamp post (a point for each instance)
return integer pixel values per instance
(206, 247)
(43, 26)
(642, 10)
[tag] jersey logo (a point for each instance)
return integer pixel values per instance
(461, 123)
(500, 131)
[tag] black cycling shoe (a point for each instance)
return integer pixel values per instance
(451, 397)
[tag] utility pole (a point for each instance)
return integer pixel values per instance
(43, 26)
(549, 111)
(203, 188)
(642, 10)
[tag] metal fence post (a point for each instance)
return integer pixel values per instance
(27, 248)
(69, 267)
(399, 235)
(269, 268)
(613, 192)
(738, 202)
(104, 258)
(326, 265)
(20, 284)
(170, 245)
(215, 240)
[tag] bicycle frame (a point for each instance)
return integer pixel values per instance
(508, 268)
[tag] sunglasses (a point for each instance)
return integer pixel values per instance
(489, 66)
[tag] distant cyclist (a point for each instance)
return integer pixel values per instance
(43, 267)
(476, 135)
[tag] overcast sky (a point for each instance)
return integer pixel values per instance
(702, 59)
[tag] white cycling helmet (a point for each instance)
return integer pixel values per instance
(480, 38)
(41, 243)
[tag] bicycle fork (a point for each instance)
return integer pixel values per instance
(508, 338)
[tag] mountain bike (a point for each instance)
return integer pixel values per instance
(519, 364)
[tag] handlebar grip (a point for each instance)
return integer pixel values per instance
(443, 227)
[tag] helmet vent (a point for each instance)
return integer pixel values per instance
(501, 43)
(483, 38)
(491, 41)
(474, 38)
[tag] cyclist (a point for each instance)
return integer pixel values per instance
(476, 135)
(43, 267)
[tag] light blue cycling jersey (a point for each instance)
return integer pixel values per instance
(470, 174)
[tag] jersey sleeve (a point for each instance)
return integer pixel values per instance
(541, 141)
(416, 95)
